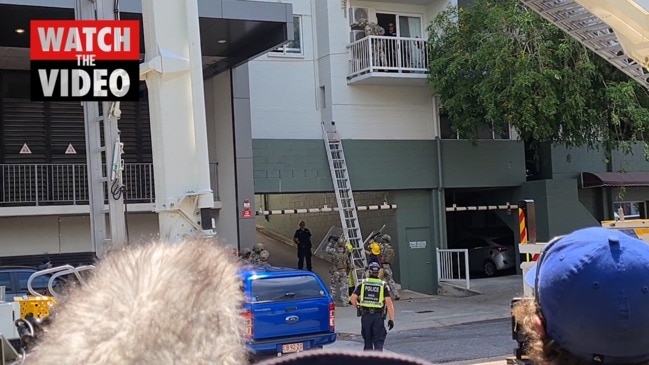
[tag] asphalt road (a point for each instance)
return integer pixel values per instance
(454, 344)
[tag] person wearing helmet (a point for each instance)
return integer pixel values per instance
(257, 249)
(339, 270)
(387, 256)
(372, 298)
(263, 258)
(373, 254)
(245, 255)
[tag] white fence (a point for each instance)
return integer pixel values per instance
(387, 54)
(453, 266)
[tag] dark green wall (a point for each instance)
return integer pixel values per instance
(570, 162)
(418, 266)
(292, 166)
(301, 165)
(488, 163)
(558, 208)
(635, 161)
(391, 164)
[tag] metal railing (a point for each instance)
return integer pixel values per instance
(453, 265)
(67, 184)
(387, 54)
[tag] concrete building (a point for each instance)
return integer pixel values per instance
(44, 194)
(265, 122)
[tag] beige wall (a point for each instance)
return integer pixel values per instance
(63, 234)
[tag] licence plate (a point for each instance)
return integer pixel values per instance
(292, 347)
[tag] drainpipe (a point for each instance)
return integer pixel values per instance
(441, 207)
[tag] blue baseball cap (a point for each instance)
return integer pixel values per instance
(592, 287)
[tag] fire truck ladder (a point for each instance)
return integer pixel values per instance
(103, 151)
(345, 199)
(592, 32)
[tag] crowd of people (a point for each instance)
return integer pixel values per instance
(591, 294)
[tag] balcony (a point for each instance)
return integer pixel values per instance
(49, 187)
(383, 60)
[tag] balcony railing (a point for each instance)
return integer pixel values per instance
(388, 55)
(67, 184)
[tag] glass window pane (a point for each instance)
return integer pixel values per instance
(5, 280)
(286, 288)
(409, 26)
(294, 46)
(38, 284)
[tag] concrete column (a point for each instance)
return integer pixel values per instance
(245, 189)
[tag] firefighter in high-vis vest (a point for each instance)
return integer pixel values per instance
(340, 267)
(387, 254)
(372, 299)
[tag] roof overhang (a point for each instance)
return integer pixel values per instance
(232, 31)
(614, 179)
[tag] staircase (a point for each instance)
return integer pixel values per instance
(345, 199)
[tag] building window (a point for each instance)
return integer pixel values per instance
(446, 130)
(630, 210)
(293, 47)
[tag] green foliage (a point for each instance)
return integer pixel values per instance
(497, 63)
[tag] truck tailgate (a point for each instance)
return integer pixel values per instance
(277, 319)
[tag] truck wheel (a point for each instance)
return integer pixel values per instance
(489, 268)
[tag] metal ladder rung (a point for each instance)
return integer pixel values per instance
(345, 199)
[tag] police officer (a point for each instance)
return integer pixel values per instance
(372, 298)
(339, 269)
(302, 239)
(387, 254)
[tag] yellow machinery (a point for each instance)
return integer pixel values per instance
(638, 228)
(21, 320)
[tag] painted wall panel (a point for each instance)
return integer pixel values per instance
(218, 94)
(64, 234)
(488, 163)
(418, 265)
(570, 162)
(301, 165)
(16, 241)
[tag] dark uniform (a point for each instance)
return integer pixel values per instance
(302, 237)
(371, 299)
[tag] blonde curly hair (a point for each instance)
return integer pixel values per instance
(158, 303)
(541, 349)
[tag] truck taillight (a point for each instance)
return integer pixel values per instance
(247, 324)
(332, 316)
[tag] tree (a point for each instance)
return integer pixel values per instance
(497, 63)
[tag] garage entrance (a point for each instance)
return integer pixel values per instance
(482, 221)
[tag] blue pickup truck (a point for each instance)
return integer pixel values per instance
(286, 310)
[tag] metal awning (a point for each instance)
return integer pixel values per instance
(232, 31)
(590, 31)
(614, 179)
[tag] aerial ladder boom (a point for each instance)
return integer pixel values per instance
(174, 76)
(617, 30)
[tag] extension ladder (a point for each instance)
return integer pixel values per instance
(345, 199)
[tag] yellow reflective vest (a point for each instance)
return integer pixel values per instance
(372, 293)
